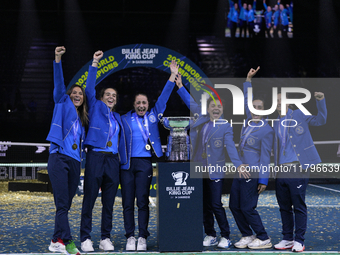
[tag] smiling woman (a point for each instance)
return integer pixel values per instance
(215, 110)
(66, 135)
(109, 96)
(141, 104)
(106, 150)
(143, 139)
(76, 95)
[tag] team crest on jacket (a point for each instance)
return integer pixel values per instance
(218, 143)
(152, 118)
(250, 141)
(299, 130)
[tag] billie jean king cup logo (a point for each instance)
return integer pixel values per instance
(180, 178)
(178, 147)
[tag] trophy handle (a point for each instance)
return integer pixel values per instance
(196, 115)
(161, 116)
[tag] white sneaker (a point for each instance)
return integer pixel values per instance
(106, 245)
(210, 241)
(87, 246)
(259, 244)
(244, 241)
(224, 243)
(57, 246)
(298, 247)
(284, 244)
(131, 244)
(141, 244)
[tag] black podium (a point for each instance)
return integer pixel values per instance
(179, 208)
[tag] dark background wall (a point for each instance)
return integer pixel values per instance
(30, 30)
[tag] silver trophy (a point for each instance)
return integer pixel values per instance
(178, 147)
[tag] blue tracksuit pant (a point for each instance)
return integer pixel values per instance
(290, 194)
(64, 174)
(135, 183)
(242, 203)
(212, 205)
(101, 171)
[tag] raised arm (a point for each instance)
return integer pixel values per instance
(246, 85)
(91, 78)
(186, 97)
(231, 4)
(169, 86)
(321, 117)
(59, 85)
(265, 5)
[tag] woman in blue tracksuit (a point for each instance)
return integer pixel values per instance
(251, 18)
(281, 21)
(243, 19)
(106, 150)
(209, 140)
(66, 135)
(233, 17)
(254, 149)
(142, 137)
(268, 14)
(294, 151)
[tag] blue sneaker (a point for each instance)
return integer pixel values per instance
(210, 241)
(224, 243)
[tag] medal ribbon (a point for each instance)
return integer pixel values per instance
(145, 132)
(283, 136)
(75, 130)
(111, 133)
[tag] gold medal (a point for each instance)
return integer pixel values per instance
(148, 147)
(204, 155)
(74, 146)
(109, 143)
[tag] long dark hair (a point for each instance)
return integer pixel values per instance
(82, 110)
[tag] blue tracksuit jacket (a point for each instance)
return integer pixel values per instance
(219, 137)
(257, 148)
(153, 117)
(300, 137)
(99, 115)
(64, 113)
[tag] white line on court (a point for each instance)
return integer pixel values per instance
(309, 205)
(317, 186)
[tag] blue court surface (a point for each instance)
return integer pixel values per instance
(27, 222)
